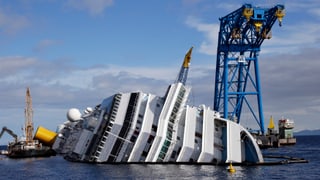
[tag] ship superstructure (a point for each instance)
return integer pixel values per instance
(286, 132)
(139, 127)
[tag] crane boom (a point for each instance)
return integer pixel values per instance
(183, 74)
(5, 129)
(28, 117)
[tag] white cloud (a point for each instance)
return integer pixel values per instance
(10, 65)
(58, 80)
(315, 11)
(45, 44)
(84, 78)
(210, 31)
(94, 7)
(53, 81)
(12, 23)
(291, 38)
(228, 6)
(300, 6)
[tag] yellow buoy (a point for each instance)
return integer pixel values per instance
(45, 136)
(231, 168)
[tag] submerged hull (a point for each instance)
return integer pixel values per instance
(144, 128)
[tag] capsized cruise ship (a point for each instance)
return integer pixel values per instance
(138, 127)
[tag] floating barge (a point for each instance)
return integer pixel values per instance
(273, 138)
(22, 149)
(30, 146)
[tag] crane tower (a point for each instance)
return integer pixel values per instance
(28, 117)
(237, 80)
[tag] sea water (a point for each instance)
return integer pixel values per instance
(307, 147)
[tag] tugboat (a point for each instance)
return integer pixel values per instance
(286, 132)
(30, 146)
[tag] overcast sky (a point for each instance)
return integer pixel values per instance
(74, 53)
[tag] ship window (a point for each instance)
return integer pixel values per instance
(161, 156)
(111, 159)
(173, 155)
(154, 128)
(198, 134)
(133, 138)
(179, 150)
(144, 153)
(167, 143)
(87, 142)
(150, 139)
(171, 120)
(164, 149)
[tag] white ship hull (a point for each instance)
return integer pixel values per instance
(144, 128)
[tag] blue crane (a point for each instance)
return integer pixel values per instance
(237, 80)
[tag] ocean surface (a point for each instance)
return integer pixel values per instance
(307, 147)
